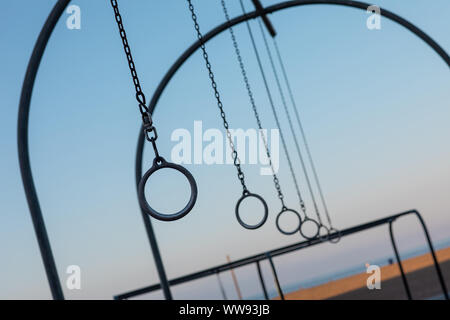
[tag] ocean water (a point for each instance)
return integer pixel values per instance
(352, 271)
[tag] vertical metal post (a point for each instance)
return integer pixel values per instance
(433, 254)
(23, 149)
(399, 262)
(275, 276)
(148, 224)
(261, 280)
(222, 289)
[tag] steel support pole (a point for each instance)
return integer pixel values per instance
(261, 280)
(265, 19)
(282, 6)
(399, 262)
(148, 225)
(433, 255)
(263, 256)
(24, 155)
(26, 173)
(221, 287)
(24, 106)
(263, 12)
(275, 276)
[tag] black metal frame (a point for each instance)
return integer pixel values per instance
(24, 109)
(298, 246)
(399, 262)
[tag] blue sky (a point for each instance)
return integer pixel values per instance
(375, 105)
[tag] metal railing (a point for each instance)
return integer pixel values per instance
(269, 255)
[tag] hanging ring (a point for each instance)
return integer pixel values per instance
(316, 224)
(338, 238)
(277, 221)
(326, 236)
(247, 194)
(158, 164)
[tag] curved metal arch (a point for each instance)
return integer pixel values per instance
(27, 176)
(24, 156)
(255, 14)
(430, 247)
(281, 6)
(27, 89)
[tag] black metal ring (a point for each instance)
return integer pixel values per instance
(158, 164)
(245, 195)
(337, 239)
(307, 219)
(327, 233)
(277, 222)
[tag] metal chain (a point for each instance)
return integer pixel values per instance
(236, 160)
(253, 104)
(275, 114)
(302, 131)
(283, 100)
(140, 97)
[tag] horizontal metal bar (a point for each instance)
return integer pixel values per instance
(263, 256)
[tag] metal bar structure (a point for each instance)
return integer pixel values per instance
(399, 262)
(263, 12)
(25, 104)
(221, 287)
(259, 8)
(288, 249)
(261, 280)
(149, 227)
(24, 157)
(433, 255)
(275, 276)
(282, 6)
(27, 177)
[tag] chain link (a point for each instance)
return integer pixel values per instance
(302, 131)
(140, 97)
(253, 104)
(283, 99)
(275, 114)
(234, 154)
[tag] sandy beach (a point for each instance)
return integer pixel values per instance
(420, 273)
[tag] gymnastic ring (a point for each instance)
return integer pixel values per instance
(307, 219)
(337, 239)
(158, 164)
(247, 194)
(326, 236)
(277, 222)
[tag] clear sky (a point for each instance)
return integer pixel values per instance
(375, 106)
